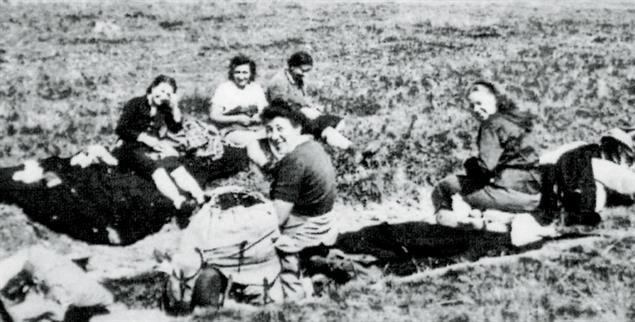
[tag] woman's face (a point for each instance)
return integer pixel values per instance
(161, 95)
(242, 75)
(282, 134)
(482, 102)
(298, 72)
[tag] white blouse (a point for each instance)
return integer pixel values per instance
(228, 96)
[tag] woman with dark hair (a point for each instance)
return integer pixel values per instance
(237, 103)
(143, 125)
(303, 192)
(504, 176)
(236, 106)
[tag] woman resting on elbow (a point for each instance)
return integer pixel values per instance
(504, 176)
(144, 122)
(236, 107)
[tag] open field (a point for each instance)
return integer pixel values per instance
(67, 68)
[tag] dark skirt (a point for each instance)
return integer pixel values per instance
(137, 157)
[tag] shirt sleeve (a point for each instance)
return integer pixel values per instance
(130, 124)
(489, 146)
(260, 98)
(172, 125)
(274, 90)
(288, 180)
(219, 100)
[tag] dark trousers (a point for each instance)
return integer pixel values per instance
(487, 197)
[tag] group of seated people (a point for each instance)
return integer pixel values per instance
(237, 109)
(281, 130)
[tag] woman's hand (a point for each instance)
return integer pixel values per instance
(243, 119)
(174, 108)
(148, 140)
(256, 119)
(166, 149)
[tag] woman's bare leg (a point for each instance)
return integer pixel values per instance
(186, 182)
(166, 187)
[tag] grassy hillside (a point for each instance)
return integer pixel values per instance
(66, 69)
(397, 72)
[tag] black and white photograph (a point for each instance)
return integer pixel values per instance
(309, 161)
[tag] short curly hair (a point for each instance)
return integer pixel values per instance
(242, 60)
(281, 108)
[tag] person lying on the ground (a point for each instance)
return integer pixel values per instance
(36, 283)
(142, 128)
(581, 179)
(505, 175)
(289, 85)
(302, 190)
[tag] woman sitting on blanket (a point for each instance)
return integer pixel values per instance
(504, 176)
(142, 128)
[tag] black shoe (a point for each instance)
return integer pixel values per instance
(183, 214)
(206, 199)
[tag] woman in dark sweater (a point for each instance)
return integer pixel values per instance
(504, 176)
(144, 122)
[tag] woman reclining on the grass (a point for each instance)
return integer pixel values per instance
(142, 128)
(582, 179)
(37, 284)
(504, 176)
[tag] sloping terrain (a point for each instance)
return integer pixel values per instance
(396, 72)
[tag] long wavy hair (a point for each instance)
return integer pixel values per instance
(505, 106)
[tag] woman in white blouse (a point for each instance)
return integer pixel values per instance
(237, 103)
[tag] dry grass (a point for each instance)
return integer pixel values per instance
(66, 69)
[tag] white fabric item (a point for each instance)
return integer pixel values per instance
(221, 234)
(11, 266)
(613, 176)
(526, 230)
(60, 282)
(32, 172)
(618, 178)
(94, 154)
(228, 96)
(66, 282)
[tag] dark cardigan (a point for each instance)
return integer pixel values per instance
(136, 119)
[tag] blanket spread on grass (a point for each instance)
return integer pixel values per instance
(92, 201)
